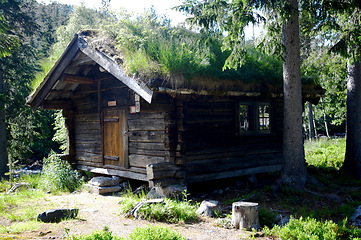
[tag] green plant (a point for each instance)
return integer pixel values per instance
(169, 211)
(310, 228)
(155, 233)
(325, 153)
(266, 217)
(58, 175)
(104, 234)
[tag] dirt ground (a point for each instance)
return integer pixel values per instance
(97, 212)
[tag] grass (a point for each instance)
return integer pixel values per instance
(310, 228)
(325, 153)
(144, 233)
(58, 175)
(171, 210)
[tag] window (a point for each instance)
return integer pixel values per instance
(254, 118)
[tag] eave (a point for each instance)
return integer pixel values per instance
(57, 75)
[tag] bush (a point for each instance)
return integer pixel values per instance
(310, 228)
(58, 175)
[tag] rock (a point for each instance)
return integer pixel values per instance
(225, 222)
(219, 191)
(171, 191)
(252, 179)
(356, 217)
(56, 215)
(281, 220)
(240, 183)
(208, 208)
(103, 190)
(104, 181)
(125, 185)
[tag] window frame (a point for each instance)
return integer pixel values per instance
(254, 107)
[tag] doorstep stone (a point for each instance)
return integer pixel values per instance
(103, 190)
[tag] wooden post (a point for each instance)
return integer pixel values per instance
(245, 215)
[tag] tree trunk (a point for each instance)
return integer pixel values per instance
(352, 164)
(294, 168)
(325, 119)
(3, 142)
(310, 121)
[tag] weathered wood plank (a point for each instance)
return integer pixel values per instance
(150, 152)
(234, 151)
(91, 125)
(146, 124)
(77, 79)
(114, 172)
(162, 170)
(89, 157)
(234, 173)
(147, 146)
(142, 161)
(147, 136)
(146, 115)
(227, 164)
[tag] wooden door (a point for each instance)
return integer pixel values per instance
(115, 142)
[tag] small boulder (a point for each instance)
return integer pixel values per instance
(208, 208)
(281, 220)
(103, 190)
(104, 181)
(56, 215)
(356, 217)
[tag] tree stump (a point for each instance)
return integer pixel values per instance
(245, 215)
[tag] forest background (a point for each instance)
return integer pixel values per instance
(42, 32)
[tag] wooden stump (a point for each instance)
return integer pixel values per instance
(245, 215)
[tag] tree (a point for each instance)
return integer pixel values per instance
(340, 22)
(233, 17)
(8, 41)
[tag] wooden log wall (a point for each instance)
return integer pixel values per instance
(210, 147)
(148, 130)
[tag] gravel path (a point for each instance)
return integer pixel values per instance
(97, 212)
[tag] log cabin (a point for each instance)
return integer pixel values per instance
(159, 131)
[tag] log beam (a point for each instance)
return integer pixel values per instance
(77, 79)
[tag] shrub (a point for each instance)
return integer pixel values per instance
(266, 217)
(155, 233)
(310, 228)
(58, 175)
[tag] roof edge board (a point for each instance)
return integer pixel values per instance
(109, 65)
(35, 99)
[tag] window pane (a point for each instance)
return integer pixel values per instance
(246, 118)
(264, 116)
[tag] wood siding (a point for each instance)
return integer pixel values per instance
(196, 136)
(211, 147)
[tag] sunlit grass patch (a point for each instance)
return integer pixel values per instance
(20, 227)
(325, 153)
(171, 210)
